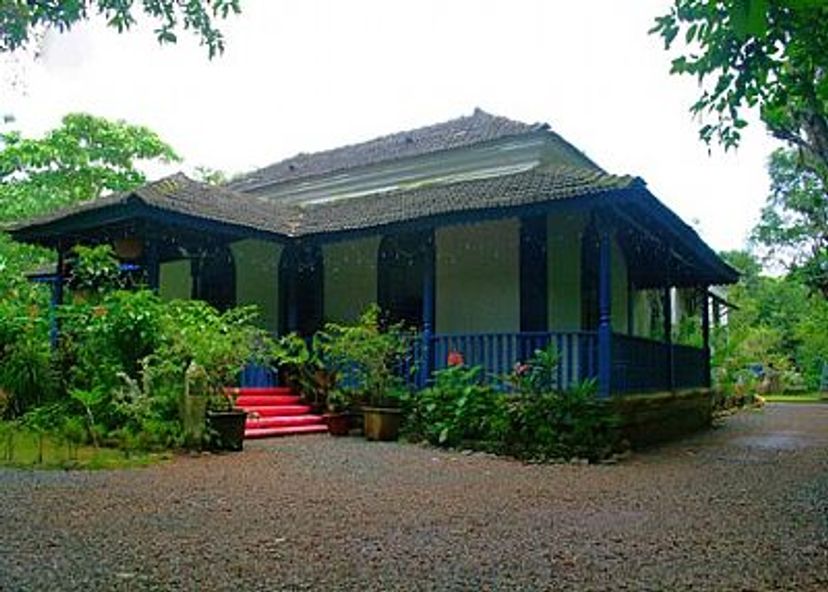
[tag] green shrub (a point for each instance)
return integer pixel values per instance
(367, 356)
(27, 375)
(530, 418)
(561, 424)
(194, 331)
(458, 407)
(95, 270)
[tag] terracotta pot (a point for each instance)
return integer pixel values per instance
(339, 424)
(381, 423)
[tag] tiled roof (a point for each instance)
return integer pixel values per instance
(479, 127)
(180, 194)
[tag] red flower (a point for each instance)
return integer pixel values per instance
(455, 358)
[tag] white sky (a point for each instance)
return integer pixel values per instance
(306, 75)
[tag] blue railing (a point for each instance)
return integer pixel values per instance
(689, 366)
(640, 364)
(498, 353)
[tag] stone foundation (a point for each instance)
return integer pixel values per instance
(657, 417)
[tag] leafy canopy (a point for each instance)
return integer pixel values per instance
(777, 321)
(19, 19)
(793, 227)
(83, 158)
(80, 160)
(765, 54)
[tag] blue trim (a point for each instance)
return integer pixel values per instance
(429, 285)
(604, 312)
(254, 375)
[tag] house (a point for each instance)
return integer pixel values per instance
(490, 236)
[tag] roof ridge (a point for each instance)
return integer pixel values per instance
(467, 130)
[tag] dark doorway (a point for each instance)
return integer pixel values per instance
(590, 259)
(214, 278)
(301, 289)
(400, 269)
(533, 279)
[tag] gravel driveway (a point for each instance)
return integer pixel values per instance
(744, 507)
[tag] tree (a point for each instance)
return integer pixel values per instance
(793, 227)
(777, 322)
(78, 161)
(770, 54)
(83, 158)
(210, 176)
(19, 19)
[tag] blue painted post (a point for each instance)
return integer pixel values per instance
(604, 314)
(668, 336)
(427, 361)
(705, 311)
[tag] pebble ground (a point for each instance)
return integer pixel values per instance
(743, 507)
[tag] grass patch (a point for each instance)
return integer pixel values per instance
(28, 450)
(814, 397)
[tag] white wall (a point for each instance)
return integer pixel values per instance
(620, 290)
(477, 277)
(564, 233)
(350, 278)
(175, 280)
(257, 278)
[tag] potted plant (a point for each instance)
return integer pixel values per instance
(383, 415)
(367, 357)
(291, 359)
(225, 422)
(338, 416)
(219, 344)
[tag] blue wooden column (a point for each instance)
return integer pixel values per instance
(604, 311)
(429, 266)
(667, 305)
(705, 322)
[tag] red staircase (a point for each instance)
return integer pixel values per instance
(275, 411)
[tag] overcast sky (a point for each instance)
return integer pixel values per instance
(305, 75)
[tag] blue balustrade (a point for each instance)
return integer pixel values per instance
(499, 353)
(641, 364)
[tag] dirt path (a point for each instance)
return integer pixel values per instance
(744, 507)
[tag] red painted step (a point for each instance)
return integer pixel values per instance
(260, 390)
(265, 400)
(286, 431)
(271, 410)
(280, 421)
(275, 411)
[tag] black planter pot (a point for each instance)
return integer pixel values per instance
(226, 430)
